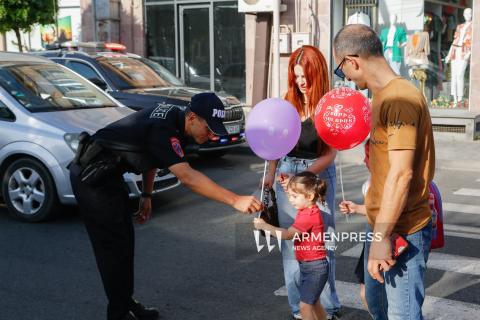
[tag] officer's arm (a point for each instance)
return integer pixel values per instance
(148, 178)
(201, 184)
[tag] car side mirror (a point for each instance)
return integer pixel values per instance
(99, 83)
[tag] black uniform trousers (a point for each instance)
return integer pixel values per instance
(109, 225)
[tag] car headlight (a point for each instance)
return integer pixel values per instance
(72, 140)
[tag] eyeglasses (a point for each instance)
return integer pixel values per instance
(338, 70)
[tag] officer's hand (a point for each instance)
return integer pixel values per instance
(144, 210)
(247, 204)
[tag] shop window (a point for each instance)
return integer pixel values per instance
(431, 50)
(160, 35)
(230, 51)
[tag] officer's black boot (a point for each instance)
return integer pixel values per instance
(129, 316)
(144, 313)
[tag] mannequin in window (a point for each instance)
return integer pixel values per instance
(393, 39)
(459, 56)
(416, 56)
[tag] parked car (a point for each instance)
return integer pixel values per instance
(139, 82)
(43, 108)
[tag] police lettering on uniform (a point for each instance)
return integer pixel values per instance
(142, 142)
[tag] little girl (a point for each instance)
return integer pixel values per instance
(304, 189)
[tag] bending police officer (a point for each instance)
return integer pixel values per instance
(141, 142)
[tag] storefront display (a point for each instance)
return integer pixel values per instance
(393, 40)
(432, 50)
(459, 56)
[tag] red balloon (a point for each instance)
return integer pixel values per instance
(342, 118)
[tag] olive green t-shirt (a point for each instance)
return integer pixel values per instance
(401, 121)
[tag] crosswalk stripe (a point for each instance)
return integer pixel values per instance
(454, 230)
(434, 308)
(459, 228)
(462, 235)
(436, 260)
(467, 192)
(461, 208)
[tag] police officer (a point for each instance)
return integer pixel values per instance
(142, 142)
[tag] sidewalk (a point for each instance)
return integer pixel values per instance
(451, 154)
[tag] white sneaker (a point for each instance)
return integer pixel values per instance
(297, 316)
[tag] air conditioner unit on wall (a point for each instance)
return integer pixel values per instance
(255, 5)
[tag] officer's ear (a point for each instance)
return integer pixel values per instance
(191, 116)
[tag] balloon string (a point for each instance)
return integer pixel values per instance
(341, 177)
(263, 184)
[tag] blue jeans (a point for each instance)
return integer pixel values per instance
(286, 216)
(401, 296)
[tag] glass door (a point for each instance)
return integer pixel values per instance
(196, 46)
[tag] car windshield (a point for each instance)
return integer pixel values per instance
(41, 87)
(137, 73)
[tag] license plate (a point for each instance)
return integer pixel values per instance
(233, 128)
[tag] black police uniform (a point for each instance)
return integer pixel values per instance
(156, 135)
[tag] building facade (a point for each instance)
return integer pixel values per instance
(211, 45)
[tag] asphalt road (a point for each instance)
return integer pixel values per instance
(197, 259)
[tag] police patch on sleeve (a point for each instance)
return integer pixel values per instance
(177, 147)
(161, 111)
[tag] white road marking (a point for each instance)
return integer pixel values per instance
(436, 260)
(461, 208)
(467, 192)
(434, 308)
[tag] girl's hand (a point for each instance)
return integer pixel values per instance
(283, 179)
(259, 223)
(348, 207)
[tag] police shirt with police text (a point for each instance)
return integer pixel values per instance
(158, 131)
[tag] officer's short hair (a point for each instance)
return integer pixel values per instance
(357, 39)
(188, 110)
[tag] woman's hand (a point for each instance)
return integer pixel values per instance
(284, 179)
(348, 207)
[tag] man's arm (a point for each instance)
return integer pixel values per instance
(395, 192)
(201, 184)
(148, 178)
(145, 205)
(397, 185)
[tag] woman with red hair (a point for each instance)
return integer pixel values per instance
(308, 81)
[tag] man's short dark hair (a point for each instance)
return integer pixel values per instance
(357, 39)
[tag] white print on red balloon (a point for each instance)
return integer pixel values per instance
(339, 119)
(342, 93)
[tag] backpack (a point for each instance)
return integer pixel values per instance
(435, 201)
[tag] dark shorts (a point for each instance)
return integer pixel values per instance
(313, 276)
(359, 269)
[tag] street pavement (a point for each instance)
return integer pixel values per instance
(196, 259)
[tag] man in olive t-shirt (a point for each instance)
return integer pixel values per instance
(402, 163)
(401, 121)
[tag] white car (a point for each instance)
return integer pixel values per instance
(43, 108)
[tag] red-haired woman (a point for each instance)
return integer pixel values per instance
(308, 81)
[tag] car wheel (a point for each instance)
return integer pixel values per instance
(29, 191)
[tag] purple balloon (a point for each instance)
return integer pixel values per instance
(273, 128)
